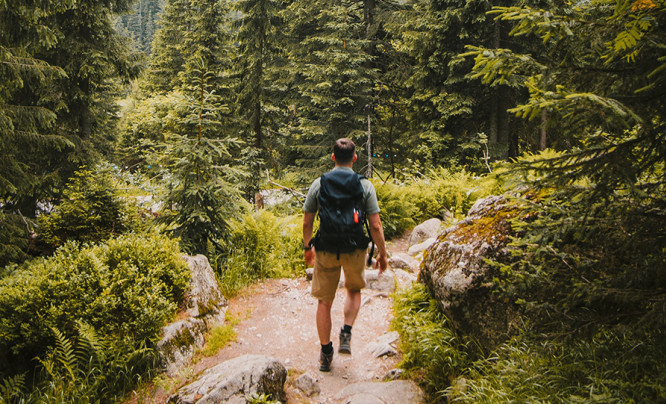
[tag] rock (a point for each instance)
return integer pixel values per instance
(308, 273)
(383, 283)
(204, 297)
(204, 306)
(418, 248)
(384, 346)
(457, 275)
(404, 279)
(394, 392)
(428, 229)
(235, 381)
(394, 374)
(403, 261)
(373, 281)
(307, 385)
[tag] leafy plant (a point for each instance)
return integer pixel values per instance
(432, 353)
(261, 245)
(92, 210)
(126, 289)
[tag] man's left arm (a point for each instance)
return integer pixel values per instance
(377, 233)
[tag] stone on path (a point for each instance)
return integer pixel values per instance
(384, 346)
(428, 229)
(307, 385)
(403, 261)
(419, 248)
(394, 392)
(236, 381)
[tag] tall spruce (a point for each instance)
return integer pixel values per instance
(333, 77)
(260, 83)
(65, 111)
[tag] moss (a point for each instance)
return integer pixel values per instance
(494, 227)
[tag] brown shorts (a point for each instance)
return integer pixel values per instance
(327, 273)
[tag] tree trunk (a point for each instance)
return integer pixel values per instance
(493, 136)
(544, 134)
(368, 173)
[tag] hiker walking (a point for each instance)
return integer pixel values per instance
(346, 203)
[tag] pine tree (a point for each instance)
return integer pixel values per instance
(202, 193)
(333, 76)
(260, 91)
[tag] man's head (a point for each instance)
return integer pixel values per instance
(344, 151)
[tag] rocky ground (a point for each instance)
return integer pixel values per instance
(276, 318)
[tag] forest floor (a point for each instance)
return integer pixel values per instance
(276, 318)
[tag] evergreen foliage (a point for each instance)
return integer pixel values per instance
(260, 85)
(201, 195)
(91, 211)
(333, 77)
(141, 23)
(125, 289)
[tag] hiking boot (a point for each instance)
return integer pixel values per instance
(345, 342)
(325, 361)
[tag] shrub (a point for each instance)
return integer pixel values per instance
(397, 211)
(14, 239)
(260, 246)
(92, 210)
(127, 288)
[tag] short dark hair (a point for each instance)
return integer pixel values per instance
(344, 150)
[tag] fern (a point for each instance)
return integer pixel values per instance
(11, 389)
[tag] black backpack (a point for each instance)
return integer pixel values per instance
(341, 215)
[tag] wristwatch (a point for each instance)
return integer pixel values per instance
(307, 247)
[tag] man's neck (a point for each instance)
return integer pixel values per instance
(345, 165)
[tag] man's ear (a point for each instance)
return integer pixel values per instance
(354, 159)
(333, 156)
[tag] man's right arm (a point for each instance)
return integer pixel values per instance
(308, 223)
(377, 233)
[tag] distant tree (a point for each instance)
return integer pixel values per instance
(332, 75)
(261, 87)
(141, 23)
(603, 84)
(202, 194)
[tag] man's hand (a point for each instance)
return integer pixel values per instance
(309, 257)
(381, 263)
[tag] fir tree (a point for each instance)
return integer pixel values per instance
(260, 57)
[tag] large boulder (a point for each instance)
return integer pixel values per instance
(204, 306)
(395, 392)
(236, 381)
(428, 229)
(457, 274)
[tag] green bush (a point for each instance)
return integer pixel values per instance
(14, 239)
(397, 211)
(126, 288)
(260, 246)
(92, 210)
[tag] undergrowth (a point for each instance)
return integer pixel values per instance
(260, 245)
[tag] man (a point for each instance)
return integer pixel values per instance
(330, 255)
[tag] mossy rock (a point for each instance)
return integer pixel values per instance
(456, 271)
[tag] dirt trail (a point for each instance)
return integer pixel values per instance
(280, 322)
(277, 319)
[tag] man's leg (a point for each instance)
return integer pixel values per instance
(324, 321)
(352, 306)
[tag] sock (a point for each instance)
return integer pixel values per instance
(347, 328)
(328, 348)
